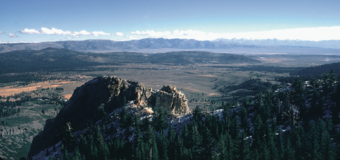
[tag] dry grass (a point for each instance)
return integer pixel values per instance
(214, 94)
(192, 89)
(11, 90)
(208, 75)
(68, 96)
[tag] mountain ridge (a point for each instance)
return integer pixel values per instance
(152, 45)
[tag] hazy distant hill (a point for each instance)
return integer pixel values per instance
(64, 59)
(152, 45)
(335, 44)
(317, 71)
(108, 45)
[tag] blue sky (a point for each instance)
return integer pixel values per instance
(54, 20)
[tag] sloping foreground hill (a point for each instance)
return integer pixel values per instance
(295, 122)
(64, 59)
(90, 103)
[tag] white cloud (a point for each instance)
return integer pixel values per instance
(54, 31)
(1, 32)
(119, 34)
(12, 35)
(29, 31)
(99, 33)
(311, 34)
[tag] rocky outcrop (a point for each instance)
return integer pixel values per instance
(172, 100)
(113, 92)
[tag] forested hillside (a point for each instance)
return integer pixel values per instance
(300, 121)
(318, 70)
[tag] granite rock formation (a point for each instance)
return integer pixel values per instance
(113, 92)
(172, 100)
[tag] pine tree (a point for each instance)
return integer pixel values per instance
(66, 157)
(329, 125)
(47, 152)
(234, 127)
(123, 118)
(99, 141)
(138, 144)
(68, 138)
(265, 154)
(311, 141)
(149, 139)
(185, 136)
(313, 82)
(196, 140)
(145, 124)
(230, 146)
(62, 148)
(326, 85)
(208, 143)
(159, 119)
(289, 151)
(154, 150)
(76, 155)
(313, 109)
(319, 109)
(103, 114)
(243, 115)
(336, 108)
(226, 111)
(197, 113)
(244, 151)
(258, 132)
(162, 144)
(172, 140)
(329, 151)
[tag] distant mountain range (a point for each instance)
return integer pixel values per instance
(152, 45)
(335, 44)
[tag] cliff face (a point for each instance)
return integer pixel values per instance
(113, 92)
(172, 100)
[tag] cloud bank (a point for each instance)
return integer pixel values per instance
(309, 34)
(304, 34)
(54, 31)
(1, 32)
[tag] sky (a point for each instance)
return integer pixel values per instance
(120, 20)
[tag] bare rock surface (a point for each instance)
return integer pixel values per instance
(113, 92)
(172, 100)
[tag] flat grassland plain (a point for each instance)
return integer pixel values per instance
(200, 83)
